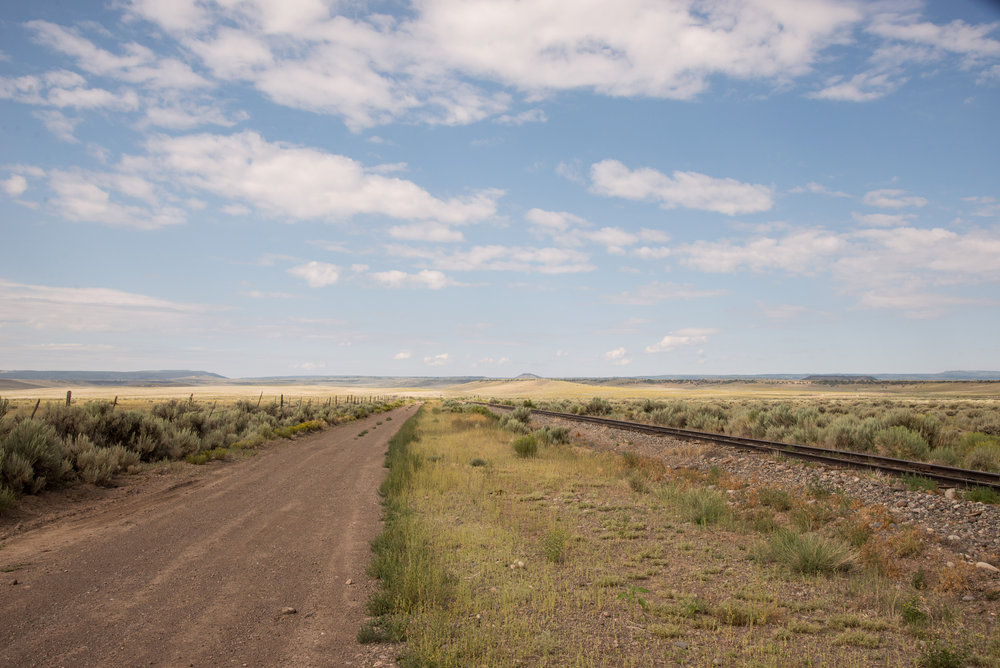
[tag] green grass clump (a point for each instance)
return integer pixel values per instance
(554, 544)
(779, 499)
(919, 483)
(941, 654)
(809, 553)
(983, 495)
(526, 446)
(7, 498)
(703, 506)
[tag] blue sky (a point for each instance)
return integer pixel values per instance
(450, 187)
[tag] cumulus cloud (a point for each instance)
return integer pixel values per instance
(436, 360)
(402, 355)
(429, 279)
(59, 124)
(303, 183)
(62, 89)
(110, 199)
(432, 64)
(889, 198)
(681, 338)
(690, 190)
(316, 274)
(618, 357)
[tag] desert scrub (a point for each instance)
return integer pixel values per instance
(95, 440)
(525, 446)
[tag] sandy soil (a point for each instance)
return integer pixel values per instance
(201, 567)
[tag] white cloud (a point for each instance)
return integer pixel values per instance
(656, 292)
(43, 307)
(139, 65)
(881, 219)
(501, 258)
(680, 339)
(440, 63)
(653, 236)
(429, 279)
(817, 189)
(685, 189)
(61, 89)
(426, 231)
(647, 253)
(892, 199)
(612, 238)
(801, 251)
(98, 198)
(618, 357)
(529, 116)
(553, 221)
(863, 87)
(59, 124)
(316, 274)
(436, 360)
(303, 183)
(15, 185)
(402, 355)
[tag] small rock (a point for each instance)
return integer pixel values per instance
(968, 597)
(953, 537)
(288, 611)
(950, 564)
(605, 614)
(990, 568)
(13, 582)
(520, 564)
(680, 644)
(349, 581)
(949, 493)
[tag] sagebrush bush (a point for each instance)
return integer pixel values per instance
(902, 443)
(702, 505)
(33, 456)
(526, 446)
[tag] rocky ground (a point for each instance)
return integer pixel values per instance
(969, 528)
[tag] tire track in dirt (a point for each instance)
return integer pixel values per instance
(198, 574)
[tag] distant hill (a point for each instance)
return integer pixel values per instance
(159, 377)
(527, 376)
(840, 378)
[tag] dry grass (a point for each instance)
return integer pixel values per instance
(576, 557)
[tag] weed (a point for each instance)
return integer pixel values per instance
(703, 506)
(7, 498)
(637, 482)
(919, 483)
(526, 446)
(858, 639)
(941, 654)
(779, 499)
(478, 462)
(911, 612)
(633, 595)
(983, 495)
(362, 433)
(809, 553)
(554, 545)
(919, 579)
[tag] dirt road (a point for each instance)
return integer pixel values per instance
(202, 570)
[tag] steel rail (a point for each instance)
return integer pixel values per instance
(946, 474)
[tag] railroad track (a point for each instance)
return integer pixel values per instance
(949, 475)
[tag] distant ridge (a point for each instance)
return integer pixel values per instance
(527, 376)
(114, 377)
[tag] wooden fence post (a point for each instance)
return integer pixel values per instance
(69, 396)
